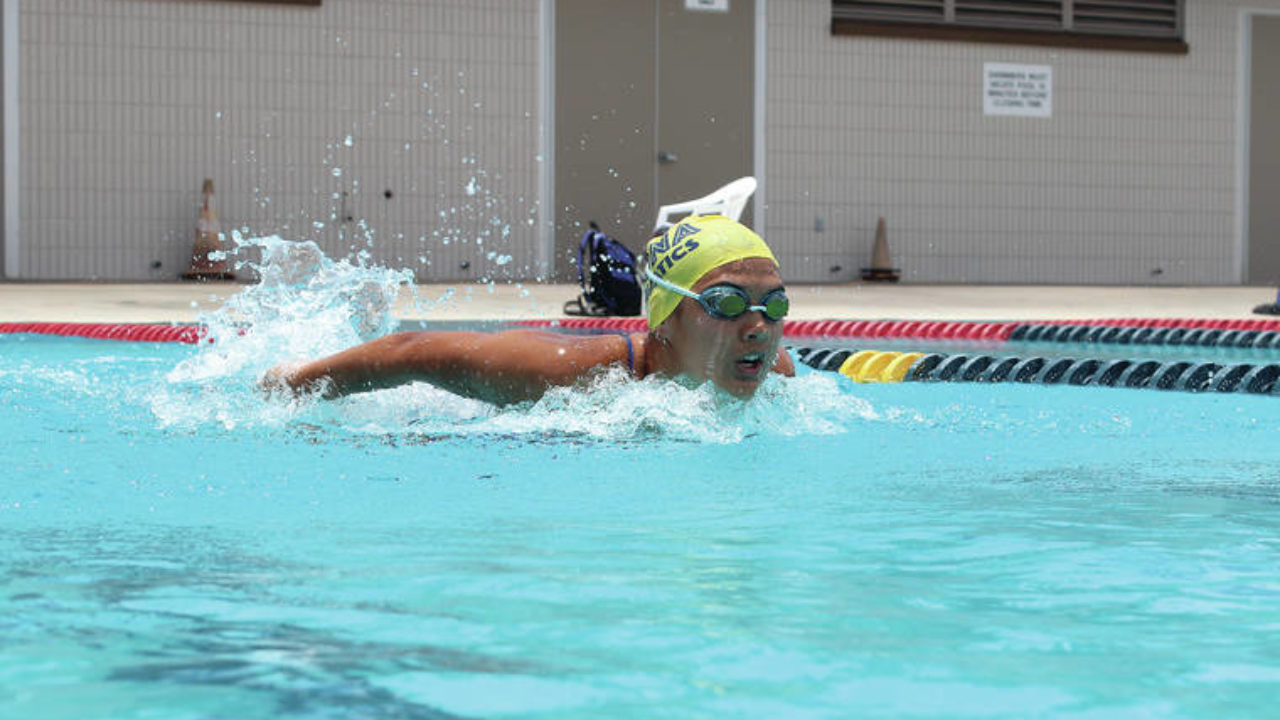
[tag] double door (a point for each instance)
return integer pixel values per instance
(653, 105)
(1264, 152)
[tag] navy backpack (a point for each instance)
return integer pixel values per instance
(607, 274)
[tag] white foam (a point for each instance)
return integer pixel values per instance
(308, 306)
(610, 407)
(305, 306)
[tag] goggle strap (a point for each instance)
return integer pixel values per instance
(668, 285)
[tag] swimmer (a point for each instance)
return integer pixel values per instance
(715, 313)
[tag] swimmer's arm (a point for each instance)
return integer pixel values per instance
(502, 368)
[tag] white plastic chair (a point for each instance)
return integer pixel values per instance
(728, 201)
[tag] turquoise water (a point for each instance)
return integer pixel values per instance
(173, 545)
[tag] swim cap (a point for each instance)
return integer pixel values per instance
(690, 249)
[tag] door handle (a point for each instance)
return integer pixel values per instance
(666, 157)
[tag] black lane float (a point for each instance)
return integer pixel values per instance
(866, 366)
(1204, 337)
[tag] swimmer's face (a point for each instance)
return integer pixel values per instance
(735, 354)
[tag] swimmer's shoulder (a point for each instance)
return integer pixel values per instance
(784, 365)
(627, 350)
(583, 352)
(637, 359)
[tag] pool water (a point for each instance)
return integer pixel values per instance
(175, 545)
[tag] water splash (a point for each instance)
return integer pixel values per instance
(308, 306)
(611, 407)
(305, 306)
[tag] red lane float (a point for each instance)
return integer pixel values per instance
(1261, 325)
(593, 323)
(189, 334)
(945, 330)
(902, 329)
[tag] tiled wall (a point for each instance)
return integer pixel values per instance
(1133, 179)
(127, 105)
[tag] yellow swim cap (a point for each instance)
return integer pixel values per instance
(690, 249)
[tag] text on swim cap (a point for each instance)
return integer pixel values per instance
(675, 245)
(680, 232)
(676, 253)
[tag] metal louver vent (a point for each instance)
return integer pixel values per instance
(1027, 14)
(1147, 19)
(890, 10)
(1152, 18)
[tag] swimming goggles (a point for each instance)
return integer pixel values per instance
(727, 302)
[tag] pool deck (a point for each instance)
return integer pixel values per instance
(185, 302)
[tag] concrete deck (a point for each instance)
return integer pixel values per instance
(184, 302)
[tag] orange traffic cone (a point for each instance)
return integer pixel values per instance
(881, 269)
(208, 256)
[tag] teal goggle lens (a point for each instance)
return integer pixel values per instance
(726, 303)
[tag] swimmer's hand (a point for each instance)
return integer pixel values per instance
(281, 379)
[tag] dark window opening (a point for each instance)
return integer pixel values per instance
(1139, 25)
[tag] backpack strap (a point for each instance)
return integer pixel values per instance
(582, 252)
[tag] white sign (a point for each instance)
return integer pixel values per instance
(707, 5)
(1025, 90)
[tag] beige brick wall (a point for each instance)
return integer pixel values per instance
(1133, 179)
(127, 105)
